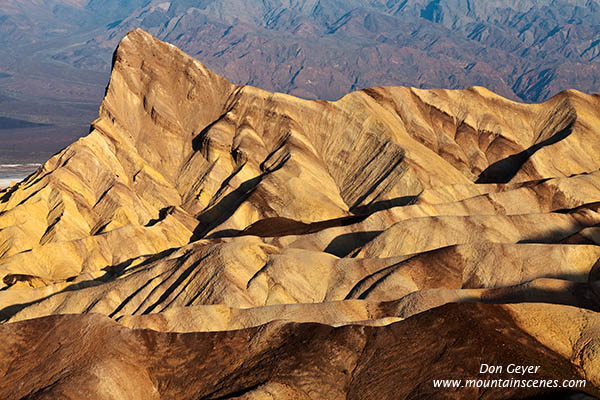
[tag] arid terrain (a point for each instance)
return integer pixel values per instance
(55, 55)
(209, 240)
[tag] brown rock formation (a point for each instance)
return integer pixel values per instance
(195, 205)
(336, 363)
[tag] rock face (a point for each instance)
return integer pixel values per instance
(351, 362)
(227, 242)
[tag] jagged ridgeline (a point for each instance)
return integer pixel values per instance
(324, 241)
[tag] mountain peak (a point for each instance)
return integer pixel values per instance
(195, 205)
(161, 97)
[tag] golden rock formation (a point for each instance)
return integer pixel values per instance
(197, 214)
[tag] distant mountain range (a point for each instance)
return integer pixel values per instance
(55, 55)
(526, 50)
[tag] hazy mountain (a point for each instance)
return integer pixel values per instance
(524, 50)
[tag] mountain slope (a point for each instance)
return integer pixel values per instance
(337, 363)
(196, 205)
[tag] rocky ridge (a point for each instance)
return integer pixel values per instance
(244, 236)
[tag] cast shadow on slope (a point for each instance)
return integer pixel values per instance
(281, 226)
(578, 293)
(347, 243)
(504, 170)
(228, 205)
(111, 273)
(339, 246)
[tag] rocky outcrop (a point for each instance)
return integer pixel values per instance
(238, 236)
(336, 363)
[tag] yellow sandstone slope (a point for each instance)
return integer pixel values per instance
(196, 205)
